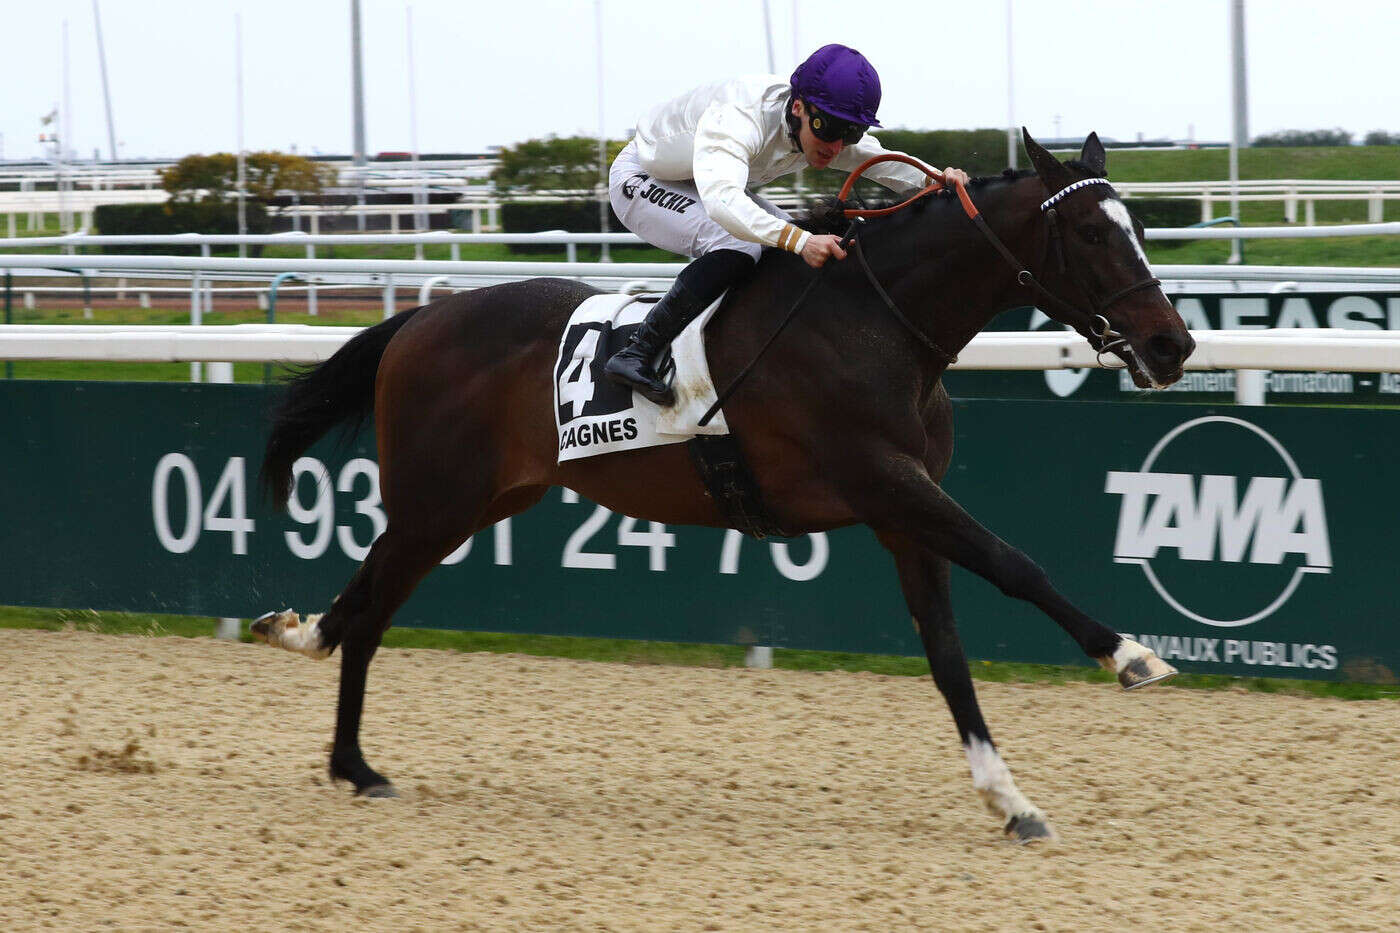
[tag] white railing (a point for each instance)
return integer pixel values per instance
(375, 174)
(1291, 192)
(604, 270)
(559, 237)
(115, 186)
(1287, 349)
(436, 237)
(273, 266)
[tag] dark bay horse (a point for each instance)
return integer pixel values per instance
(845, 421)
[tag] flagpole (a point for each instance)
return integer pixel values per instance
(604, 253)
(106, 90)
(1012, 139)
(65, 218)
(242, 156)
(420, 220)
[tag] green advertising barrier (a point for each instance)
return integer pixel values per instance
(1211, 311)
(1243, 541)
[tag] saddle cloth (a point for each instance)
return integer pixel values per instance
(597, 416)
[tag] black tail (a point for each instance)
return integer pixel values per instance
(338, 391)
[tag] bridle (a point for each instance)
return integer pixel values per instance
(1108, 339)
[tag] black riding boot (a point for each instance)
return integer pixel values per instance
(700, 283)
(635, 364)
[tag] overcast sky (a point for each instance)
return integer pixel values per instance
(491, 72)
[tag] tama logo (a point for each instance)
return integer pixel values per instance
(1225, 548)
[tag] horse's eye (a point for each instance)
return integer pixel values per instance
(1091, 235)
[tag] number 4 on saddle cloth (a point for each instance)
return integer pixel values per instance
(597, 416)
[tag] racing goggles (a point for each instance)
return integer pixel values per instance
(829, 129)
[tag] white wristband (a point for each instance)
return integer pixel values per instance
(792, 238)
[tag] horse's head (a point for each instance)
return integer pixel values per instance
(1097, 264)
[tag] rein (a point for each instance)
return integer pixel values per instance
(1108, 338)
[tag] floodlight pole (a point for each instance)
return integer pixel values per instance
(604, 254)
(106, 91)
(1239, 136)
(357, 91)
(796, 60)
(420, 219)
(768, 37)
(65, 123)
(1012, 141)
(238, 111)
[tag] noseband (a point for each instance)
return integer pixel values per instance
(1097, 322)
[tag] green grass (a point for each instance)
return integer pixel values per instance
(1332, 251)
(48, 226)
(670, 653)
(1369, 163)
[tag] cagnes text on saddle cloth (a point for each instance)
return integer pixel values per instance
(596, 416)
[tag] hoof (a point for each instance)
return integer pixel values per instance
(1142, 672)
(1136, 665)
(285, 630)
(1029, 828)
(377, 790)
(269, 626)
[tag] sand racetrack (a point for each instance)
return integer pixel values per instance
(160, 782)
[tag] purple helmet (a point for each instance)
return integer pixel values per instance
(839, 80)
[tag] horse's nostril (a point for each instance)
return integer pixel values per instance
(1168, 348)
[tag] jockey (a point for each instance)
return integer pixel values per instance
(683, 184)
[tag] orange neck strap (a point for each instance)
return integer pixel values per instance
(935, 185)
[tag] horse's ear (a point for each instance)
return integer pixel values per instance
(1052, 174)
(1092, 155)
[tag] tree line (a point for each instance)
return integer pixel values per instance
(571, 162)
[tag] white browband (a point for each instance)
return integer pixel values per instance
(1082, 183)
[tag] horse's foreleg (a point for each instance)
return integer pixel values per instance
(919, 508)
(923, 576)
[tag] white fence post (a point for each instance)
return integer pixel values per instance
(1251, 386)
(758, 656)
(310, 288)
(196, 318)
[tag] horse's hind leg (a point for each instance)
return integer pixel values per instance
(407, 551)
(357, 622)
(401, 557)
(924, 578)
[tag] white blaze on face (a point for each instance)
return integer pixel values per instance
(1118, 213)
